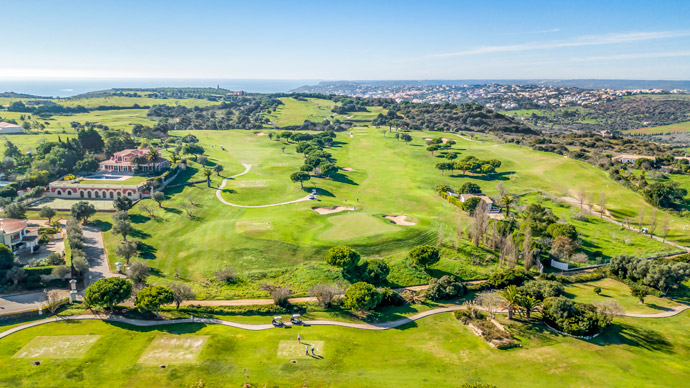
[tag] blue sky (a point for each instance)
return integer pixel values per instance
(346, 40)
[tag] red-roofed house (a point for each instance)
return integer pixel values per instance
(14, 234)
(124, 161)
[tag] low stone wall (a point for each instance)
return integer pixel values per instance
(586, 338)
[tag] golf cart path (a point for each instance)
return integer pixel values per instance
(258, 327)
(247, 168)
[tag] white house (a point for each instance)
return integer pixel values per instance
(10, 128)
(629, 158)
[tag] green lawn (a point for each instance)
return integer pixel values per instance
(678, 127)
(134, 180)
(94, 102)
(294, 112)
(602, 240)
(614, 290)
(435, 352)
(286, 244)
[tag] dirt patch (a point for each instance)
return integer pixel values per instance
(173, 349)
(261, 134)
(444, 140)
(331, 210)
(400, 220)
(58, 346)
(348, 169)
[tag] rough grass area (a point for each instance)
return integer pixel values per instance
(172, 349)
(57, 346)
(295, 112)
(293, 349)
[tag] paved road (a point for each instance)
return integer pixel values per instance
(98, 269)
(95, 254)
(22, 302)
(257, 327)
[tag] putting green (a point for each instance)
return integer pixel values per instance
(352, 225)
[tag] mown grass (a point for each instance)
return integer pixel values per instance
(437, 351)
(389, 177)
(620, 292)
(601, 240)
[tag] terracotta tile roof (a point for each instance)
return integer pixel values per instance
(11, 225)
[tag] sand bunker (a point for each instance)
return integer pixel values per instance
(444, 140)
(260, 134)
(331, 210)
(399, 220)
(347, 169)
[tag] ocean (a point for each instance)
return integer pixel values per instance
(69, 87)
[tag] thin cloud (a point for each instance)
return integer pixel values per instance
(589, 40)
(620, 57)
(533, 32)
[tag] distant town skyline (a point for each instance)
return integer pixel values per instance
(356, 40)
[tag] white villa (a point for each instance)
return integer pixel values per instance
(124, 162)
(630, 158)
(10, 128)
(14, 234)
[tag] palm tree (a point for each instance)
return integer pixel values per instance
(529, 304)
(511, 298)
(207, 173)
(174, 157)
(152, 155)
(508, 200)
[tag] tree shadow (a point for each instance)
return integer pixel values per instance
(172, 210)
(319, 191)
(139, 218)
(140, 234)
(103, 226)
(499, 176)
(229, 191)
(342, 178)
(146, 251)
(623, 334)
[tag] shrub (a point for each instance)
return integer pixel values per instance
(597, 290)
(279, 294)
(362, 297)
(373, 271)
(446, 287)
(542, 289)
(390, 298)
(343, 257)
(573, 318)
(507, 277)
(325, 294)
(424, 255)
(226, 275)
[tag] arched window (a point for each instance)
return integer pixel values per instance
(96, 194)
(69, 192)
(111, 195)
(88, 194)
(129, 193)
(59, 192)
(81, 194)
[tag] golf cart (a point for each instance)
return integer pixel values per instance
(277, 321)
(295, 319)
